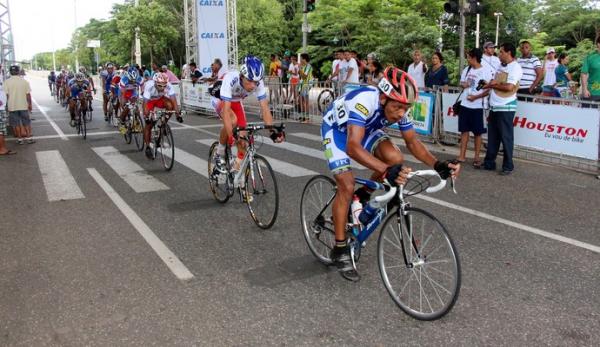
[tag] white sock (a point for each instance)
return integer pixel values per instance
(221, 149)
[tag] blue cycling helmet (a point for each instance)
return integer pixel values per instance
(252, 68)
(132, 75)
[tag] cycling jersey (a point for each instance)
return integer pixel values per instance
(151, 93)
(232, 90)
(51, 78)
(107, 81)
(114, 84)
(360, 107)
(76, 88)
(129, 90)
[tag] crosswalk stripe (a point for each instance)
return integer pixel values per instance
(282, 167)
(131, 172)
(311, 152)
(58, 181)
(191, 161)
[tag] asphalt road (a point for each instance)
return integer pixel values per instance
(78, 271)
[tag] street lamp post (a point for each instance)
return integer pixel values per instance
(498, 15)
(138, 49)
(75, 20)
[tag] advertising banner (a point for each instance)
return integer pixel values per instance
(212, 33)
(195, 95)
(421, 114)
(560, 129)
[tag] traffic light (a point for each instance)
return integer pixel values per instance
(310, 5)
(451, 6)
(475, 7)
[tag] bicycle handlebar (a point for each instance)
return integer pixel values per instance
(252, 127)
(429, 173)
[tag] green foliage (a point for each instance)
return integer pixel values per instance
(569, 22)
(577, 55)
(260, 28)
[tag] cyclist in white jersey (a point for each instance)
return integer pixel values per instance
(228, 94)
(352, 129)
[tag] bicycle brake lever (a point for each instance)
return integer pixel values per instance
(453, 184)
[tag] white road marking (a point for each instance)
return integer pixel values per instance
(130, 171)
(58, 180)
(165, 254)
(512, 224)
(191, 161)
(280, 166)
(56, 128)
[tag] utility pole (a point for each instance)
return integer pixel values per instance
(75, 32)
(477, 32)
(498, 15)
(138, 49)
(461, 44)
(305, 27)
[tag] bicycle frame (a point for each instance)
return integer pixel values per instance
(248, 158)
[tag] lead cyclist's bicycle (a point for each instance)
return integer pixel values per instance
(417, 259)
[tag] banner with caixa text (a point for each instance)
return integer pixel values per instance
(211, 16)
(560, 129)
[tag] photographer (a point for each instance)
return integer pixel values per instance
(473, 103)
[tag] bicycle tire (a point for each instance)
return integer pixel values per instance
(316, 225)
(166, 147)
(324, 99)
(222, 191)
(420, 258)
(89, 111)
(138, 131)
(257, 186)
(128, 135)
(83, 122)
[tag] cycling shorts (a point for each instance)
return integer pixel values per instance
(334, 146)
(236, 107)
(152, 103)
(129, 94)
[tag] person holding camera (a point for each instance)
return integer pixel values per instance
(503, 104)
(474, 101)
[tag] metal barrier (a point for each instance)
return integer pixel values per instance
(299, 103)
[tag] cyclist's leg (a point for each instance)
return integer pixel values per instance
(240, 120)
(105, 99)
(381, 146)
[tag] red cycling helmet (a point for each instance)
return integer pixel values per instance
(398, 85)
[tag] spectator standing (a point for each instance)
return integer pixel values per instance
(375, 73)
(335, 67)
(489, 57)
(503, 103)
(349, 69)
(172, 78)
(18, 95)
(438, 74)
(155, 69)
(306, 76)
(590, 75)
(417, 69)
(217, 71)
(532, 70)
(294, 77)
(195, 73)
(285, 80)
(473, 104)
(549, 66)
(3, 119)
(275, 66)
(185, 72)
(563, 77)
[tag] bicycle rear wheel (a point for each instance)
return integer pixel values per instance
(83, 123)
(316, 216)
(166, 147)
(221, 183)
(137, 130)
(128, 129)
(419, 264)
(88, 114)
(262, 195)
(324, 99)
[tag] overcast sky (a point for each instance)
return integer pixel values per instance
(41, 25)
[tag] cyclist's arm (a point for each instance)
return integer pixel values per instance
(357, 152)
(173, 99)
(416, 147)
(266, 112)
(349, 73)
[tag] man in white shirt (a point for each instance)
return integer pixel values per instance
(417, 69)
(548, 68)
(503, 104)
(489, 58)
(348, 72)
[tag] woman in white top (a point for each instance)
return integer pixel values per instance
(294, 78)
(473, 103)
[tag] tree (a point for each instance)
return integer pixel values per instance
(260, 27)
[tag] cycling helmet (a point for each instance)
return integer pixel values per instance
(79, 77)
(70, 75)
(161, 79)
(252, 69)
(82, 69)
(398, 85)
(132, 75)
(109, 65)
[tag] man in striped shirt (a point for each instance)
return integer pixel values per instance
(532, 70)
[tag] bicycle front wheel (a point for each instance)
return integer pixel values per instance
(128, 135)
(166, 147)
(262, 195)
(419, 264)
(316, 216)
(83, 125)
(137, 131)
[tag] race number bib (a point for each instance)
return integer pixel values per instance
(338, 114)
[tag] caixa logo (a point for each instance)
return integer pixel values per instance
(210, 2)
(212, 35)
(206, 70)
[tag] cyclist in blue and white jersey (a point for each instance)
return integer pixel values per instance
(129, 86)
(228, 94)
(352, 128)
(106, 76)
(77, 85)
